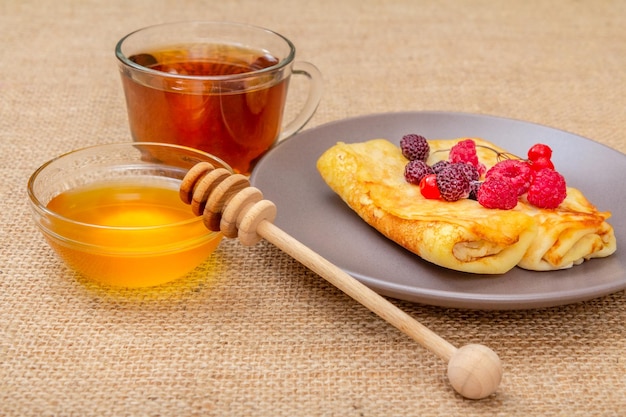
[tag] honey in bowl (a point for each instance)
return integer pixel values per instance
(236, 119)
(114, 214)
(138, 243)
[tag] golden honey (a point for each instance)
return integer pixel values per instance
(129, 232)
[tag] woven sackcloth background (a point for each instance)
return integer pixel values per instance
(253, 332)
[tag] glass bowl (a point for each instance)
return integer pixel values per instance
(113, 212)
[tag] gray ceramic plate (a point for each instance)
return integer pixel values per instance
(309, 211)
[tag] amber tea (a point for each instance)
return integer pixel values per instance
(237, 120)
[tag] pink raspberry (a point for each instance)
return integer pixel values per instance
(465, 151)
(497, 193)
(518, 172)
(547, 189)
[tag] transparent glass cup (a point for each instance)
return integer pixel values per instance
(113, 212)
(215, 86)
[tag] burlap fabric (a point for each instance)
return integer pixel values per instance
(253, 332)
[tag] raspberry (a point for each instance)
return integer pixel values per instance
(439, 165)
(518, 172)
(465, 151)
(453, 184)
(415, 147)
(539, 150)
(497, 193)
(469, 170)
(547, 190)
(415, 170)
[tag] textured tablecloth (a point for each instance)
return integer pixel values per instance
(253, 332)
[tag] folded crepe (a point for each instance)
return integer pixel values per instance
(462, 235)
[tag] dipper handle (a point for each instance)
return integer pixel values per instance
(229, 204)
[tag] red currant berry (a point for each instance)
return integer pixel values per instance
(541, 163)
(428, 187)
(539, 150)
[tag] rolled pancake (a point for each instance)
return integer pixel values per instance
(572, 233)
(461, 235)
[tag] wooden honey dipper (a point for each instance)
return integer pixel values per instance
(228, 203)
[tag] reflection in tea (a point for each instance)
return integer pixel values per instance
(236, 121)
(134, 247)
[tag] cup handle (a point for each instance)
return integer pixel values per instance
(315, 95)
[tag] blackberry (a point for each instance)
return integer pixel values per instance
(469, 170)
(415, 147)
(453, 184)
(438, 166)
(415, 170)
(474, 187)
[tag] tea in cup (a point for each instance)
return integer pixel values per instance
(214, 86)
